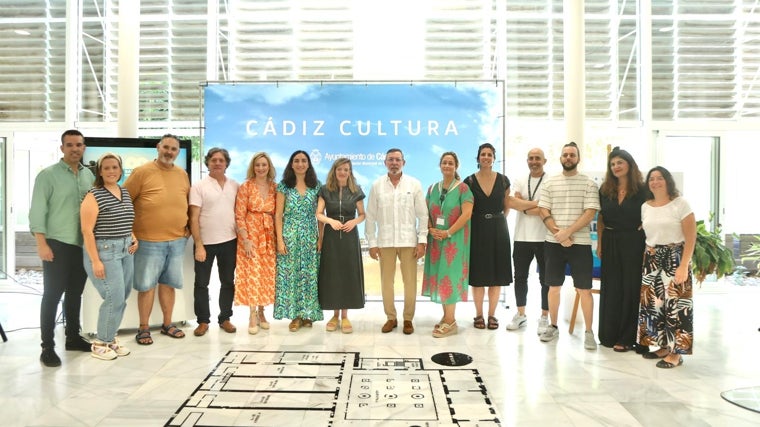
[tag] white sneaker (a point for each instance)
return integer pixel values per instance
(119, 349)
(518, 321)
(550, 334)
(102, 351)
(543, 323)
(589, 342)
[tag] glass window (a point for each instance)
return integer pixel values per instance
(4, 230)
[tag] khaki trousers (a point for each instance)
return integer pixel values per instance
(408, 261)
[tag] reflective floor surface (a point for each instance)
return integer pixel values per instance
(529, 383)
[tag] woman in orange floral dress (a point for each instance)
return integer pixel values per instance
(254, 215)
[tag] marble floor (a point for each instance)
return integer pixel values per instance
(530, 383)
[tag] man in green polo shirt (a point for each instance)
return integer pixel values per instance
(54, 221)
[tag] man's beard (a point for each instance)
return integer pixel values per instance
(569, 168)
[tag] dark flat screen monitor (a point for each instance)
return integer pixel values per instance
(133, 151)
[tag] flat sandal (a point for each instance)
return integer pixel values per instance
(493, 323)
(295, 324)
(477, 322)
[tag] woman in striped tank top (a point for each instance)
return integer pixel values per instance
(107, 217)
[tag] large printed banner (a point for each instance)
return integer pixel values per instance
(360, 121)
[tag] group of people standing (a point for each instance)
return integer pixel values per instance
(294, 244)
(133, 236)
(646, 238)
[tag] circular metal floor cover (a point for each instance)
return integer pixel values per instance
(451, 359)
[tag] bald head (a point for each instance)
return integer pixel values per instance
(536, 161)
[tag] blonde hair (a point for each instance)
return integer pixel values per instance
(332, 179)
(251, 174)
(98, 169)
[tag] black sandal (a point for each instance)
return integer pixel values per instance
(172, 331)
(493, 323)
(654, 355)
(143, 337)
(664, 364)
(478, 322)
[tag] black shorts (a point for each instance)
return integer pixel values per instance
(579, 258)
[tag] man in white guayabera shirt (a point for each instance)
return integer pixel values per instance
(397, 228)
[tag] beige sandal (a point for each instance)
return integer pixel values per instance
(253, 323)
(262, 320)
(295, 324)
(332, 325)
(445, 329)
(345, 326)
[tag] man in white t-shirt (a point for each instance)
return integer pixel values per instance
(529, 242)
(569, 201)
(212, 223)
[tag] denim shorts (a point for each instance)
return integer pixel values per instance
(159, 262)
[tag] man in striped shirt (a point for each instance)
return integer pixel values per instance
(568, 203)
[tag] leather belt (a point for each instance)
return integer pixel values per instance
(342, 218)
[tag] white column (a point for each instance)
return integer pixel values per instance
(575, 75)
(129, 68)
(644, 16)
(73, 92)
(212, 37)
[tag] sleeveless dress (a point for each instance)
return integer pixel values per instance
(490, 254)
(622, 254)
(341, 272)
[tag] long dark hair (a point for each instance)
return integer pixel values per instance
(289, 175)
(670, 183)
(610, 185)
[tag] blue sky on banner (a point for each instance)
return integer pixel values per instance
(358, 121)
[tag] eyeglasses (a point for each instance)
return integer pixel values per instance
(443, 194)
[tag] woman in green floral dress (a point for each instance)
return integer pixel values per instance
(296, 292)
(446, 275)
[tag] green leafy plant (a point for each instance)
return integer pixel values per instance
(753, 252)
(711, 256)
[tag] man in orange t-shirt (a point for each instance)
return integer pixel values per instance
(159, 191)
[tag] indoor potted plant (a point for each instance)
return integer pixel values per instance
(711, 256)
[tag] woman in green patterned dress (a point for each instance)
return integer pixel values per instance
(446, 275)
(296, 292)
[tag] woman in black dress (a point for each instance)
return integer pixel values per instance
(621, 249)
(490, 258)
(340, 207)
